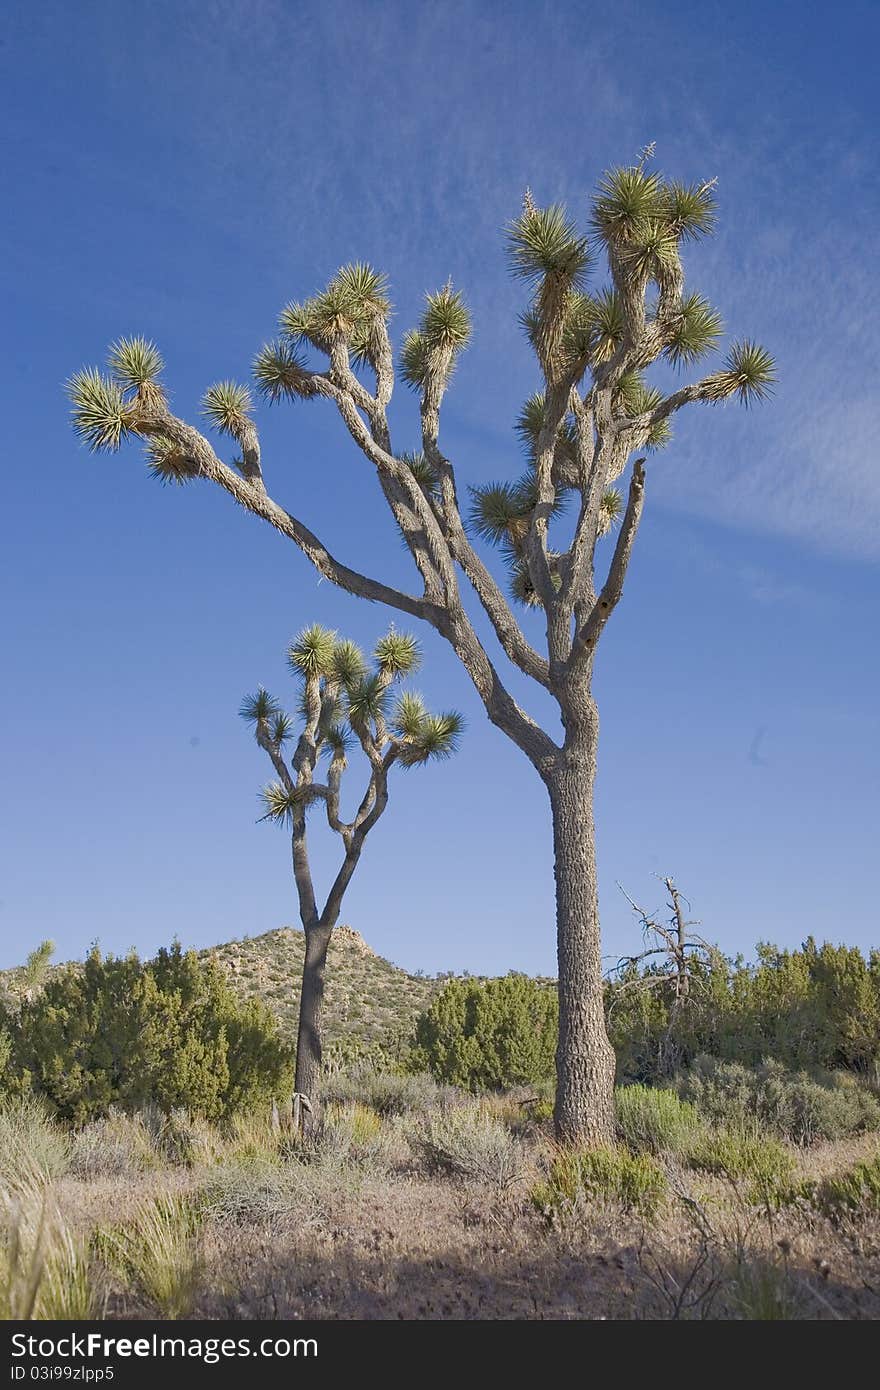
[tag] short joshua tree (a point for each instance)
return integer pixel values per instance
(343, 703)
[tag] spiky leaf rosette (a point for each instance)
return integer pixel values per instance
(135, 363)
(227, 405)
(610, 510)
(748, 372)
(608, 322)
(414, 359)
(409, 714)
(367, 699)
(428, 352)
(545, 242)
(397, 654)
(282, 373)
(423, 473)
(697, 329)
(689, 208)
(337, 742)
(446, 322)
(279, 804)
(311, 654)
(280, 728)
(626, 199)
(364, 289)
(497, 512)
(530, 422)
(168, 462)
(101, 417)
(437, 738)
(632, 398)
(260, 708)
(521, 587)
(349, 663)
(651, 253)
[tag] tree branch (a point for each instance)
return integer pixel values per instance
(613, 588)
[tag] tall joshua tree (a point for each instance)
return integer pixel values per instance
(594, 410)
(341, 702)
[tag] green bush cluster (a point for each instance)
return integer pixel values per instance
(761, 1167)
(489, 1034)
(817, 1007)
(651, 1120)
(852, 1193)
(796, 1105)
(634, 1182)
(167, 1032)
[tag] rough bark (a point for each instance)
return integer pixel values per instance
(311, 1010)
(585, 1060)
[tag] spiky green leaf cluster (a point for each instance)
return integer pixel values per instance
(414, 359)
(446, 322)
(423, 473)
(167, 462)
(312, 652)
(610, 510)
(544, 242)
(281, 372)
(633, 397)
(397, 654)
(367, 699)
(227, 405)
(101, 417)
(625, 201)
(530, 422)
(349, 664)
(429, 351)
(280, 728)
(279, 804)
(337, 741)
(521, 587)
(697, 329)
(629, 200)
(749, 372)
(437, 737)
(350, 305)
(134, 362)
(689, 208)
(409, 713)
(259, 708)
(608, 322)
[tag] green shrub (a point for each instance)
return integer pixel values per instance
(167, 1032)
(853, 1193)
(489, 1034)
(386, 1092)
(758, 1165)
(796, 1105)
(818, 1007)
(34, 1150)
(471, 1144)
(592, 1177)
(650, 1120)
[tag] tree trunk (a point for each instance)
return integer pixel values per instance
(584, 1060)
(308, 1042)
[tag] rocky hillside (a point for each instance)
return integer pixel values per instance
(368, 998)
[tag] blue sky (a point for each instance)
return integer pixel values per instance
(182, 170)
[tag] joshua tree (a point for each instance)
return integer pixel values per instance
(341, 702)
(593, 411)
